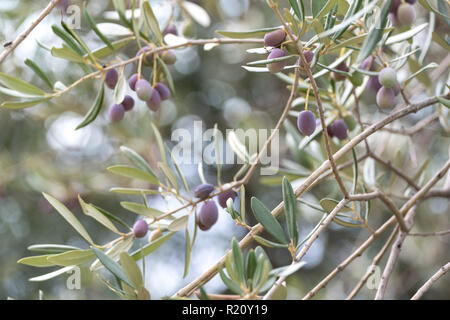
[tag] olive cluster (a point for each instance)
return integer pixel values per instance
(208, 214)
(402, 12)
(151, 95)
(274, 39)
(385, 84)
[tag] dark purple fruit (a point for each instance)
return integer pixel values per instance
(395, 5)
(224, 196)
(406, 14)
(144, 89)
(132, 81)
(306, 122)
(274, 38)
(385, 98)
(373, 84)
(411, 1)
(276, 66)
(163, 90)
(203, 190)
(338, 76)
(111, 78)
(309, 56)
(367, 63)
(208, 215)
(140, 228)
(172, 29)
(148, 57)
(338, 129)
(169, 57)
(155, 101)
(128, 103)
(116, 112)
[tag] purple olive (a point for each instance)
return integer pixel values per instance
(208, 215)
(172, 29)
(203, 190)
(155, 101)
(276, 66)
(387, 77)
(128, 103)
(144, 89)
(339, 129)
(385, 98)
(411, 1)
(274, 38)
(163, 90)
(330, 131)
(393, 18)
(373, 84)
(306, 122)
(396, 88)
(169, 57)
(309, 56)
(406, 14)
(140, 228)
(395, 5)
(116, 112)
(111, 78)
(132, 81)
(367, 63)
(148, 57)
(224, 196)
(338, 76)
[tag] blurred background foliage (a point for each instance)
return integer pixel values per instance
(41, 152)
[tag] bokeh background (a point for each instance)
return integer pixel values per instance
(41, 152)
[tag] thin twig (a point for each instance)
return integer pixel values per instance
(427, 285)
(27, 31)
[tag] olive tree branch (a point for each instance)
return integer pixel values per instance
(212, 271)
(427, 285)
(27, 31)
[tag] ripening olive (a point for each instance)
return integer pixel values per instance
(144, 90)
(148, 57)
(406, 14)
(373, 84)
(208, 215)
(338, 129)
(132, 81)
(163, 90)
(111, 78)
(116, 112)
(224, 196)
(140, 228)
(155, 101)
(338, 76)
(306, 122)
(203, 190)
(128, 103)
(385, 97)
(387, 77)
(274, 38)
(276, 66)
(169, 57)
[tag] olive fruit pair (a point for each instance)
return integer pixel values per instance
(208, 214)
(117, 111)
(402, 12)
(389, 88)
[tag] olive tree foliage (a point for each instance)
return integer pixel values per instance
(328, 53)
